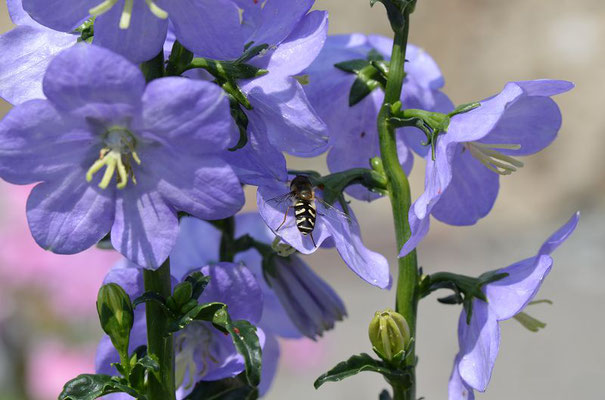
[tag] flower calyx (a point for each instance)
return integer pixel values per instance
(372, 73)
(396, 11)
(465, 288)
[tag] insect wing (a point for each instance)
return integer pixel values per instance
(281, 199)
(334, 213)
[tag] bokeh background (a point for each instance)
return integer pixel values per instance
(48, 329)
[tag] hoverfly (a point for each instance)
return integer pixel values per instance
(302, 198)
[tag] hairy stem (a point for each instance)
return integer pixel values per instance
(159, 343)
(399, 194)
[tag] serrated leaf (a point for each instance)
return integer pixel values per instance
(202, 312)
(224, 389)
(90, 387)
(356, 364)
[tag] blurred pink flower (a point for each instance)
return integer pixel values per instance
(52, 364)
(70, 283)
(302, 354)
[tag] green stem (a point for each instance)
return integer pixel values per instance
(159, 343)
(399, 194)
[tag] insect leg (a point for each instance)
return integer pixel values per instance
(284, 221)
(313, 240)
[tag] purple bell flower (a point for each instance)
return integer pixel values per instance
(203, 353)
(353, 130)
(479, 340)
(161, 141)
(462, 183)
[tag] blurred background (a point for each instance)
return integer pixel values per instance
(48, 325)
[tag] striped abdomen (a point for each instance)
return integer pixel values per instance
(304, 211)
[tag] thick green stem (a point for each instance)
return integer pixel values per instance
(159, 343)
(399, 194)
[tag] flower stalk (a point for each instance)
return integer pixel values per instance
(160, 344)
(400, 196)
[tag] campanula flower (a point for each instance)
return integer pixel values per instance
(201, 351)
(296, 300)
(461, 184)
(26, 52)
(116, 155)
(331, 223)
(353, 129)
(137, 28)
(479, 339)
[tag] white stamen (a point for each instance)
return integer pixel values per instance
(115, 157)
(494, 160)
(155, 10)
(102, 8)
(126, 16)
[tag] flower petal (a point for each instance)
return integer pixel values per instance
(143, 39)
(197, 245)
(194, 118)
(70, 215)
(510, 295)
(37, 144)
(299, 49)
(129, 279)
(236, 286)
(471, 193)
(145, 227)
(18, 15)
(270, 360)
(292, 124)
(68, 84)
(60, 15)
(479, 345)
(26, 52)
(210, 28)
(457, 388)
(277, 19)
(545, 87)
(370, 266)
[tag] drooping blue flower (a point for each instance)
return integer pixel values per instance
(331, 223)
(461, 184)
(161, 141)
(353, 129)
(137, 28)
(296, 300)
(280, 108)
(479, 340)
(26, 52)
(202, 353)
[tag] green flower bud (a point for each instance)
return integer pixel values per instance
(389, 333)
(116, 315)
(182, 293)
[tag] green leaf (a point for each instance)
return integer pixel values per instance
(154, 298)
(352, 66)
(198, 282)
(201, 312)
(148, 363)
(179, 59)
(357, 364)
(246, 342)
(90, 387)
(225, 389)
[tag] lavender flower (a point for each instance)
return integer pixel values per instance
(331, 222)
(296, 300)
(202, 352)
(26, 52)
(353, 130)
(137, 29)
(100, 120)
(462, 183)
(479, 340)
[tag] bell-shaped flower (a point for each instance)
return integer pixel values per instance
(479, 339)
(137, 28)
(353, 129)
(116, 155)
(275, 204)
(202, 353)
(26, 52)
(462, 182)
(296, 300)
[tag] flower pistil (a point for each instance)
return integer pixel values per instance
(120, 144)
